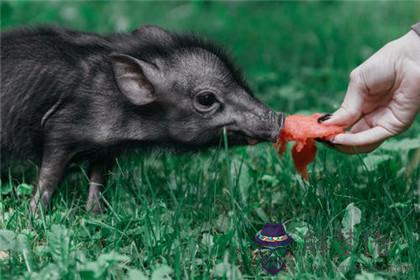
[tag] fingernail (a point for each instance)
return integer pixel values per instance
(324, 118)
(332, 141)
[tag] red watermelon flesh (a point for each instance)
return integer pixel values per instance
(303, 130)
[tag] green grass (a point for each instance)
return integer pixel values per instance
(194, 216)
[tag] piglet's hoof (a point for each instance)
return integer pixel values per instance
(39, 201)
(95, 206)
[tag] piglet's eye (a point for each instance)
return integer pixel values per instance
(206, 99)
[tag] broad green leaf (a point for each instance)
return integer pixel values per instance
(368, 276)
(135, 274)
(113, 257)
(270, 180)
(227, 270)
(207, 240)
(24, 189)
(10, 240)
(365, 260)
(58, 240)
(162, 272)
(99, 268)
(352, 217)
(344, 266)
(49, 272)
(299, 233)
(373, 248)
(7, 240)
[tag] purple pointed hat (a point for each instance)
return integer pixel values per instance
(273, 235)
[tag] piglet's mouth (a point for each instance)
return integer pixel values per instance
(253, 141)
(240, 137)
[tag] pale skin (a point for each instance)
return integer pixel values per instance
(382, 98)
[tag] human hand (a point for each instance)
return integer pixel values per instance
(383, 97)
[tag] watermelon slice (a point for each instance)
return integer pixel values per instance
(303, 130)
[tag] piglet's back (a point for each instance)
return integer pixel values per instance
(40, 66)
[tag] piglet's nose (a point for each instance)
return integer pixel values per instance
(280, 120)
(277, 125)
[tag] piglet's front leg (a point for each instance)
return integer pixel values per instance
(54, 162)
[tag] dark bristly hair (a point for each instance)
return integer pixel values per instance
(130, 44)
(191, 40)
(54, 43)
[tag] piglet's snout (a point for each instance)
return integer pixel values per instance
(267, 127)
(276, 123)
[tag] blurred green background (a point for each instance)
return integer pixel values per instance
(194, 216)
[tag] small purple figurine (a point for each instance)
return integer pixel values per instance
(273, 247)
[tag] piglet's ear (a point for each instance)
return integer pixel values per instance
(134, 77)
(153, 33)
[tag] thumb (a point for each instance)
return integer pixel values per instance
(371, 136)
(351, 108)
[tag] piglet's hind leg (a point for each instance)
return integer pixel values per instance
(97, 180)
